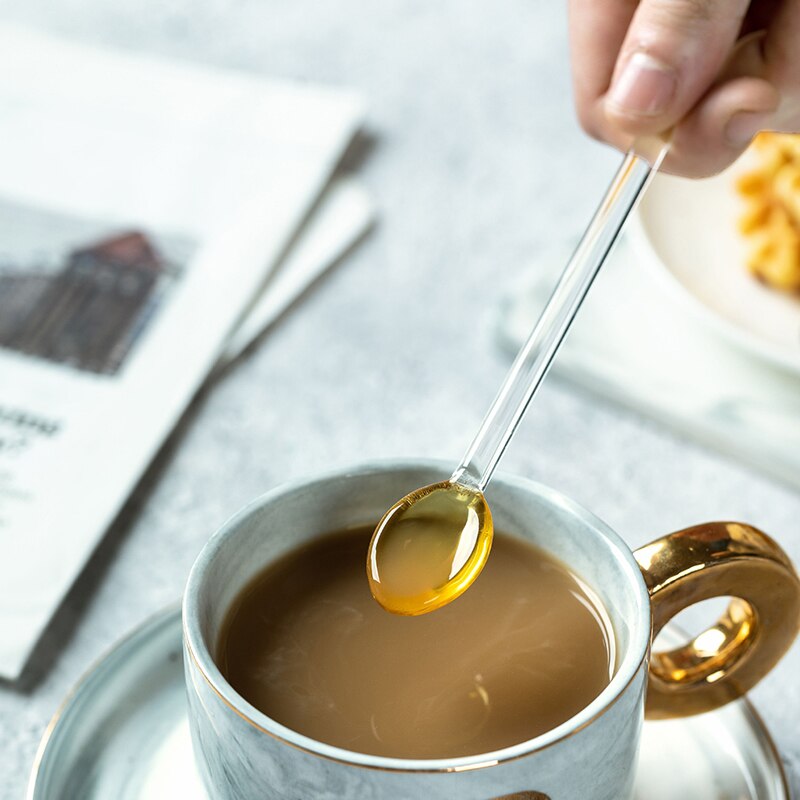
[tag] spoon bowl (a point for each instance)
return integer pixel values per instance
(429, 547)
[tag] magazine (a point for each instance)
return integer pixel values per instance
(343, 215)
(143, 204)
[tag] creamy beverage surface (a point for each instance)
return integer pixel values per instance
(524, 649)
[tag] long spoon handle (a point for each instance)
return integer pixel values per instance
(534, 359)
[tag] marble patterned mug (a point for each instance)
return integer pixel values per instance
(244, 755)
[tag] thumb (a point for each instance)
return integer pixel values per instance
(671, 55)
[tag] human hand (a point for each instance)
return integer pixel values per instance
(641, 68)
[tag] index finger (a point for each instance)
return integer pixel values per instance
(597, 29)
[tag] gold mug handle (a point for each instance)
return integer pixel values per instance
(718, 559)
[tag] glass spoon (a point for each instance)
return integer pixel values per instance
(431, 545)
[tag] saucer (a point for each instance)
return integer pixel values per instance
(123, 734)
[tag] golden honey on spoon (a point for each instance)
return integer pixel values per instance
(429, 547)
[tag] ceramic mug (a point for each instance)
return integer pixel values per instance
(244, 755)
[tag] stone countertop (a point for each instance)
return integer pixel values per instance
(475, 160)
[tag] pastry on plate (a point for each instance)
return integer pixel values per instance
(771, 220)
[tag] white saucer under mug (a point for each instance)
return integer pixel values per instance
(123, 734)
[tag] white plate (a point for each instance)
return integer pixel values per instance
(688, 230)
(122, 734)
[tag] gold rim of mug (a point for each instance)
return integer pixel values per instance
(627, 670)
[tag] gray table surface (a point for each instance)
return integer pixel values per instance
(475, 160)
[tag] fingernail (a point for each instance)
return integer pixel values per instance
(744, 125)
(645, 86)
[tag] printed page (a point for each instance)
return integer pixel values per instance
(342, 216)
(143, 204)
